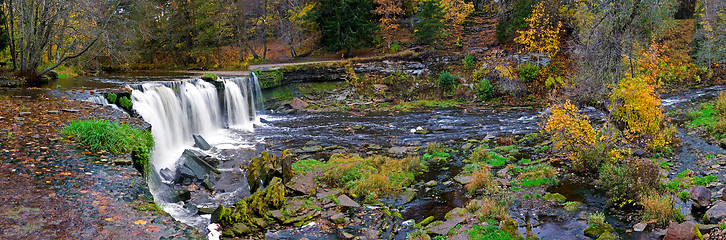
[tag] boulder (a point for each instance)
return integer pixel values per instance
(723, 196)
(463, 179)
(238, 229)
(431, 183)
(303, 183)
(345, 201)
(700, 198)
(311, 149)
(683, 231)
(338, 218)
(167, 174)
(444, 227)
(716, 213)
(639, 227)
(298, 104)
(201, 143)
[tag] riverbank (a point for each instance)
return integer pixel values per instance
(52, 189)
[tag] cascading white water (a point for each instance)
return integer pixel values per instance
(259, 102)
(177, 110)
(103, 101)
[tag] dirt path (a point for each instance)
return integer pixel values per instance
(52, 190)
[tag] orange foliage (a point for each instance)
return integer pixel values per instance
(543, 34)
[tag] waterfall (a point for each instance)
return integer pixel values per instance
(257, 92)
(103, 101)
(177, 110)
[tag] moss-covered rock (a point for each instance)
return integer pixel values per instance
(555, 197)
(595, 230)
(509, 227)
(271, 198)
(237, 230)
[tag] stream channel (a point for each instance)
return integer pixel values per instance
(236, 125)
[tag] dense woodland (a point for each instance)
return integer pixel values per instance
(88, 35)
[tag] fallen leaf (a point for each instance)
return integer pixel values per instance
(109, 219)
(140, 222)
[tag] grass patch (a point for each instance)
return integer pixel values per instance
(371, 177)
(489, 232)
(306, 165)
(660, 209)
(102, 135)
(703, 181)
(537, 175)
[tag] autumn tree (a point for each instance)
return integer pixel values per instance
(543, 33)
(389, 10)
(33, 24)
(296, 26)
(345, 24)
(457, 10)
(711, 34)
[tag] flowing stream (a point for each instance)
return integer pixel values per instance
(227, 114)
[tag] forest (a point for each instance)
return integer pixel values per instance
(367, 119)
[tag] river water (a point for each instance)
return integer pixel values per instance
(238, 131)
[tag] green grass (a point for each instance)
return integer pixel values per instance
(102, 135)
(525, 161)
(674, 185)
(306, 165)
(489, 232)
(126, 103)
(703, 181)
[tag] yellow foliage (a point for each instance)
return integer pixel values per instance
(543, 34)
(570, 130)
(638, 105)
(389, 11)
(506, 71)
(457, 10)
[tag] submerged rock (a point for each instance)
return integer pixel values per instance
(700, 197)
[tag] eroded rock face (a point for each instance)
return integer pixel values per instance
(683, 231)
(700, 198)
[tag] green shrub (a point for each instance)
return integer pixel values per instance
(447, 81)
(126, 103)
(703, 181)
(469, 61)
(625, 183)
(394, 47)
(102, 135)
(684, 195)
(111, 97)
(484, 89)
(211, 76)
(596, 219)
(589, 159)
(720, 105)
(528, 72)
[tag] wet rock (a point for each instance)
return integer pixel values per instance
(298, 104)
(717, 212)
(311, 149)
(399, 150)
(594, 231)
(301, 219)
(555, 197)
(700, 197)
(723, 196)
(683, 231)
(639, 153)
(122, 161)
(408, 195)
(303, 183)
(345, 201)
(338, 218)
(167, 174)
(323, 194)
(205, 210)
(463, 179)
(201, 143)
(195, 160)
(431, 183)
(639, 227)
(181, 195)
(277, 215)
(510, 228)
(238, 229)
(444, 227)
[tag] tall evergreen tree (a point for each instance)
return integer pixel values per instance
(429, 29)
(345, 24)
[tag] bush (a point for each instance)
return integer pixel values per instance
(528, 72)
(626, 183)
(488, 208)
(447, 81)
(126, 104)
(570, 130)
(589, 159)
(481, 179)
(484, 90)
(660, 208)
(111, 97)
(469, 61)
(102, 135)
(720, 105)
(394, 47)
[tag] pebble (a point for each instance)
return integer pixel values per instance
(24, 113)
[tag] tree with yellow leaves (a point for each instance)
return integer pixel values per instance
(389, 11)
(457, 10)
(543, 34)
(570, 130)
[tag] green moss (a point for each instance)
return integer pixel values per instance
(555, 197)
(489, 232)
(126, 104)
(111, 97)
(210, 76)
